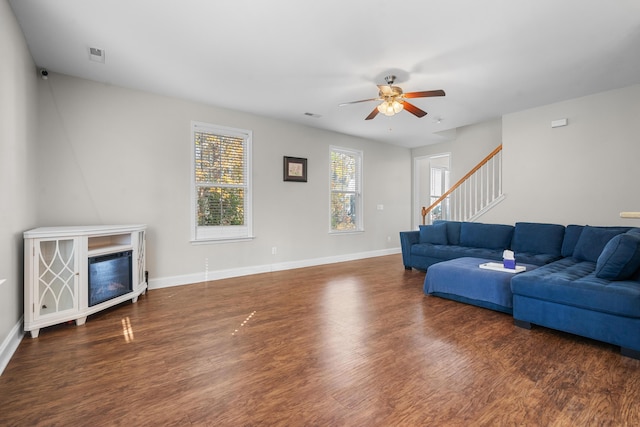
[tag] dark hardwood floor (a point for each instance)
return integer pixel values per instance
(350, 344)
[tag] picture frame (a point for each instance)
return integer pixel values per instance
(295, 169)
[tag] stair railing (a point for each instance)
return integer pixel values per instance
(475, 193)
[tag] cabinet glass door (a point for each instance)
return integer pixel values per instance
(56, 279)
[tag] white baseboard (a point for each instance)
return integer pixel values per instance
(165, 282)
(10, 345)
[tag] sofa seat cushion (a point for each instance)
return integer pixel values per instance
(448, 252)
(573, 282)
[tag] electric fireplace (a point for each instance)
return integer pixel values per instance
(109, 276)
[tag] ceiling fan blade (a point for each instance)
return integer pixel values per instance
(372, 114)
(424, 94)
(413, 109)
(357, 102)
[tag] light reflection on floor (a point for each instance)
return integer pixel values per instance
(243, 323)
(127, 329)
(344, 332)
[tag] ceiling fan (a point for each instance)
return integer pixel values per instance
(393, 100)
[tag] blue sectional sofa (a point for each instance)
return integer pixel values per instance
(594, 291)
(533, 243)
(587, 282)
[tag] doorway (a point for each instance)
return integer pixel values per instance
(431, 180)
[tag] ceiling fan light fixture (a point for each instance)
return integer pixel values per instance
(390, 108)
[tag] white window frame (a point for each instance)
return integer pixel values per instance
(212, 234)
(359, 156)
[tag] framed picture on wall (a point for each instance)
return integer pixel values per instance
(295, 169)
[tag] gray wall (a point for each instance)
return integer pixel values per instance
(18, 167)
(583, 173)
(114, 155)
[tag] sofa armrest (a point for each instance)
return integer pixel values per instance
(407, 239)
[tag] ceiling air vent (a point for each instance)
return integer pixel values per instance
(96, 54)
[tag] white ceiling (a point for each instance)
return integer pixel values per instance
(284, 58)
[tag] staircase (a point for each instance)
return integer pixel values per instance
(473, 195)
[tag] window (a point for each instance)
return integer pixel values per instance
(221, 183)
(346, 190)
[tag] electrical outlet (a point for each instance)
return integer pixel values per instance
(274, 250)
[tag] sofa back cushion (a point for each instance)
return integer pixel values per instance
(620, 258)
(537, 238)
(593, 240)
(453, 231)
(435, 234)
(489, 236)
(571, 235)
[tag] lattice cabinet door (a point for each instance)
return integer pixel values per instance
(56, 277)
(142, 247)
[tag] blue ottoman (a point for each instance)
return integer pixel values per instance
(463, 280)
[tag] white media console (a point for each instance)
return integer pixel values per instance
(72, 272)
